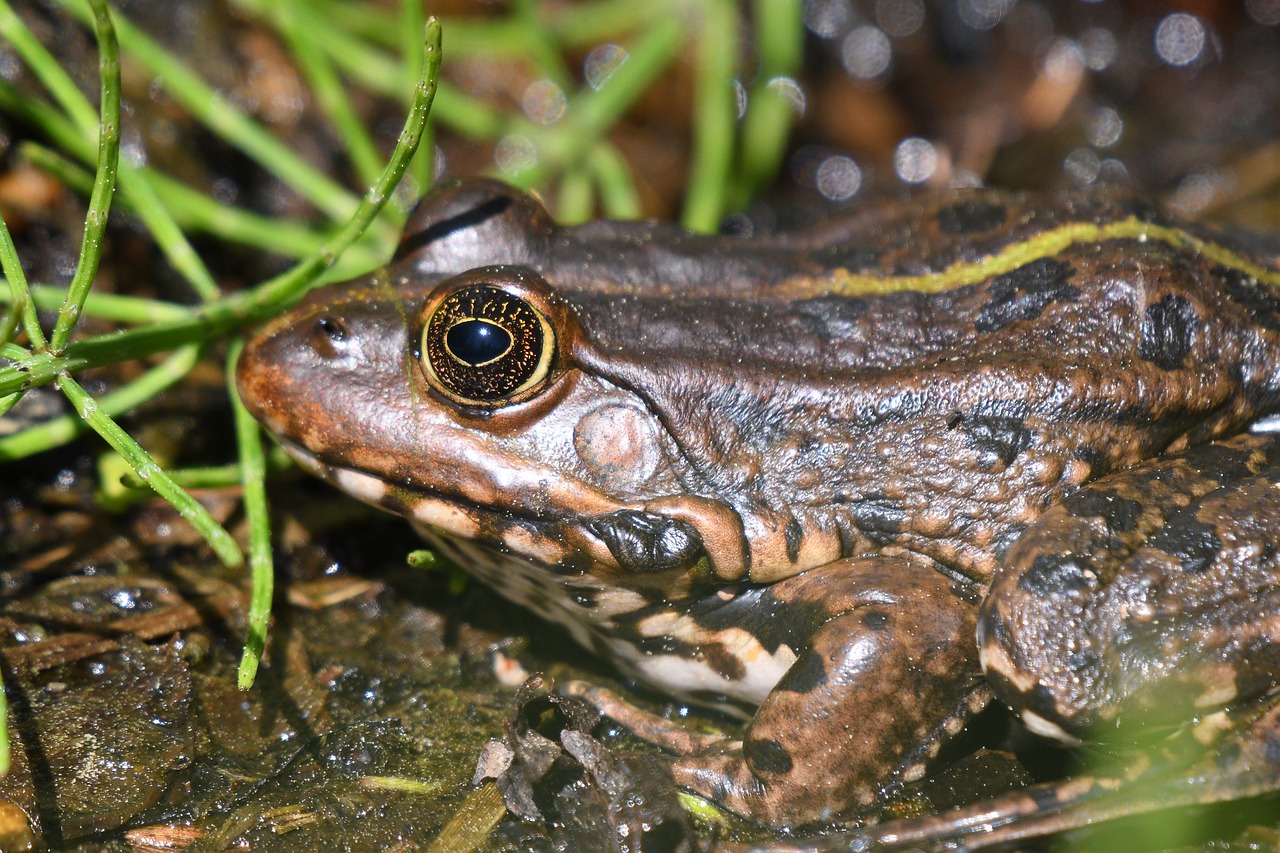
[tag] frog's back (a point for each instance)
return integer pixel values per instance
(938, 403)
(923, 376)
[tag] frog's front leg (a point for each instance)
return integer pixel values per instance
(886, 668)
(1151, 594)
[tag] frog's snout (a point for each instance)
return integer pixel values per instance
(276, 364)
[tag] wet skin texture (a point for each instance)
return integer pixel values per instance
(797, 475)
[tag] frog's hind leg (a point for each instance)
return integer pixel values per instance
(1149, 597)
(1248, 767)
(886, 668)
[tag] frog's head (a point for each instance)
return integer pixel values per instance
(464, 404)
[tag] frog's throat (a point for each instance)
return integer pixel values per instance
(676, 533)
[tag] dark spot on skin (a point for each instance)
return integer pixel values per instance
(1084, 663)
(794, 535)
(1192, 542)
(807, 674)
(725, 664)
(1052, 575)
(998, 430)
(767, 756)
(1224, 464)
(1258, 676)
(755, 609)
(993, 630)
(573, 565)
(1262, 303)
(1228, 753)
(1024, 293)
(643, 542)
(1119, 514)
(411, 244)
(1168, 329)
(879, 518)
(585, 598)
(1040, 699)
(1005, 538)
(1091, 456)
(875, 619)
(971, 216)
(954, 420)
(849, 537)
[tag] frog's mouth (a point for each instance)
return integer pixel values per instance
(659, 537)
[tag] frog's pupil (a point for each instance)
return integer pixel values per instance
(477, 342)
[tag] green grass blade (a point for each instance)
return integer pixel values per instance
(55, 432)
(232, 125)
(771, 112)
(296, 22)
(104, 182)
(590, 114)
(20, 308)
(47, 69)
(233, 312)
(715, 112)
(141, 462)
(188, 208)
(253, 476)
(215, 476)
(290, 286)
(135, 185)
(115, 307)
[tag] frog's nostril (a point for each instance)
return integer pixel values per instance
(332, 327)
(329, 336)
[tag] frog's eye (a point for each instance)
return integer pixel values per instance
(486, 346)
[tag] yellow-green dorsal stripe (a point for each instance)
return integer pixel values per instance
(1044, 245)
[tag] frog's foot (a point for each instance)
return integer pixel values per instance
(1237, 759)
(649, 727)
(885, 671)
(1151, 594)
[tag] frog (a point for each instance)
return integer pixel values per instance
(849, 481)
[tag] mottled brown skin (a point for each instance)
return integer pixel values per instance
(748, 486)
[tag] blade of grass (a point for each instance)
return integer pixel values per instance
(574, 197)
(232, 312)
(575, 26)
(232, 125)
(617, 189)
(116, 307)
(715, 111)
(140, 461)
(79, 134)
(423, 166)
(55, 432)
(296, 21)
(291, 285)
(253, 477)
(215, 476)
(191, 209)
(104, 182)
(20, 308)
(46, 68)
(766, 127)
(591, 113)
